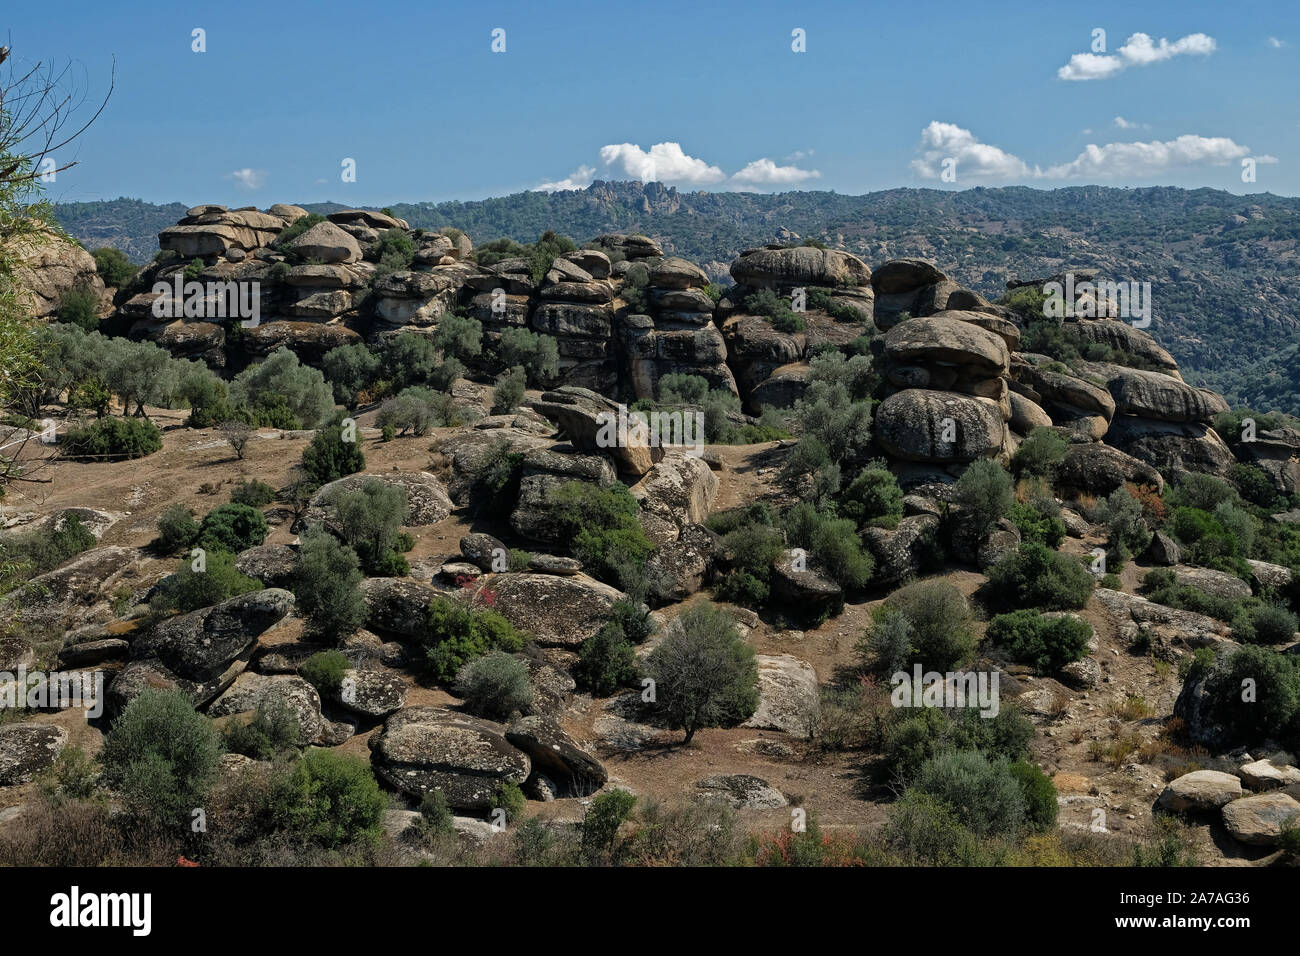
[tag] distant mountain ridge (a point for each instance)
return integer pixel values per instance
(1224, 269)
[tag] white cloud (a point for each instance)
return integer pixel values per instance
(580, 178)
(764, 172)
(665, 163)
(1275, 43)
(1122, 123)
(799, 154)
(976, 160)
(1138, 50)
(248, 178)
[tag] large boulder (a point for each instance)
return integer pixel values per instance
(740, 791)
(426, 500)
(398, 606)
(799, 266)
(1200, 790)
(1124, 337)
(904, 275)
(1098, 469)
(944, 340)
(557, 611)
(535, 515)
(1176, 448)
(422, 749)
(48, 267)
(273, 564)
(1259, 820)
(905, 551)
(27, 750)
(73, 594)
(1219, 584)
(555, 756)
(678, 569)
(1156, 395)
(787, 695)
(677, 491)
(201, 645)
(252, 691)
(915, 425)
(328, 243)
(593, 423)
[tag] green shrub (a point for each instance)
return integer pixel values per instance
(281, 380)
(873, 498)
(602, 525)
(325, 670)
(458, 336)
(394, 252)
(296, 229)
(24, 556)
(1036, 576)
(509, 392)
(495, 685)
(510, 798)
(79, 306)
(1126, 528)
(113, 438)
(232, 528)
(273, 730)
(1047, 643)
(327, 585)
(537, 354)
(940, 619)
(1267, 624)
(1254, 485)
(456, 635)
(350, 369)
(329, 458)
(335, 799)
(417, 409)
(113, 266)
(1036, 787)
(1272, 713)
(436, 813)
(607, 812)
(190, 589)
(832, 545)
(776, 309)
(253, 493)
(1035, 526)
(162, 756)
(887, 644)
(986, 491)
(984, 794)
(919, 733)
(704, 673)
(1161, 586)
(606, 662)
(924, 831)
(370, 519)
(1040, 453)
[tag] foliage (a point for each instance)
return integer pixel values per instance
(113, 438)
(456, 635)
(1036, 576)
(327, 585)
(941, 634)
(495, 686)
(602, 525)
(190, 589)
(325, 670)
(280, 377)
(986, 492)
(232, 528)
(329, 457)
(1040, 453)
(509, 390)
(252, 492)
(1047, 643)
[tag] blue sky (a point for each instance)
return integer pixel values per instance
(701, 95)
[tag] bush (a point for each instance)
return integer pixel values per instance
(1267, 624)
(918, 734)
(495, 490)
(253, 493)
(1047, 643)
(295, 229)
(607, 812)
(1035, 526)
(925, 831)
(329, 458)
(510, 798)
(281, 379)
(602, 525)
(370, 519)
(1254, 485)
(495, 686)
(113, 266)
(273, 730)
(1161, 586)
(417, 409)
(1036, 787)
(606, 662)
(394, 252)
(776, 309)
(510, 387)
(1126, 528)
(985, 491)
(79, 306)
(984, 794)
(1036, 576)
(887, 644)
(190, 589)
(325, 670)
(162, 756)
(873, 498)
(350, 369)
(705, 674)
(456, 635)
(334, 799)
(940, 619)
(327, 585)
(409, 359)
(1040, 453)
(538, 354)
(458, 336)
(113, 438)
(1273, 713)
(232, 528)
(832, 544)
(25, 556)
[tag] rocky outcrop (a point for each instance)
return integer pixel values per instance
(939, 427)
(48, 267)
(1200, 790)
(27, 750)
(677, 491)
(556, 611)
(554, 755)
(787, 695)
(431, 748)
(592, 423)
